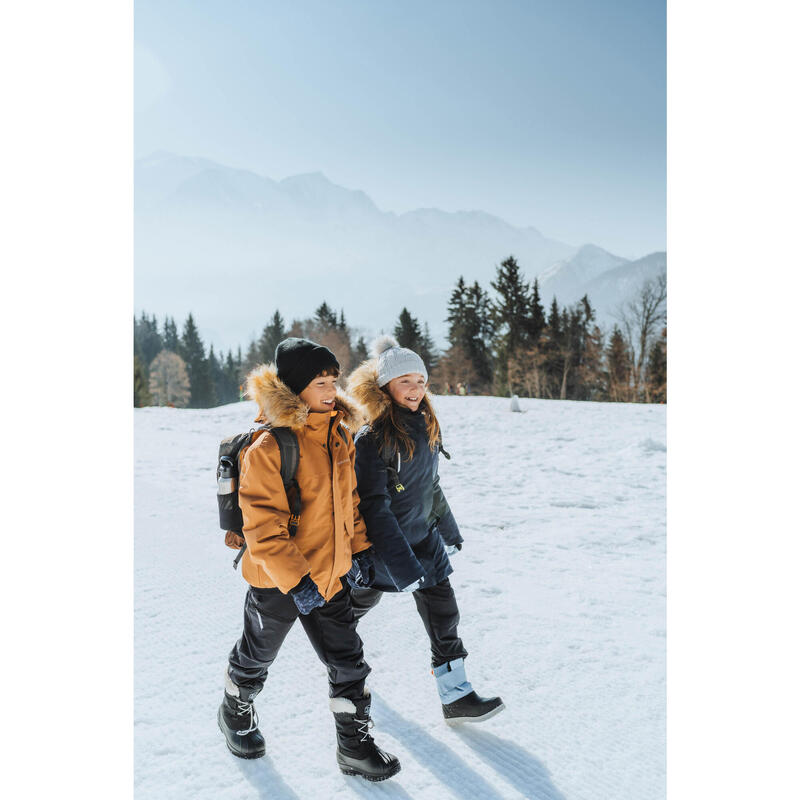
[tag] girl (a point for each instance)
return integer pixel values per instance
(408, 519)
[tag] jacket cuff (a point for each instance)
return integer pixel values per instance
(305, 583)
(286, 580)
(448, 529)
(412, 571)
(360, 544)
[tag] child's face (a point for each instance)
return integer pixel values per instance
(320, 394)
(408, 390)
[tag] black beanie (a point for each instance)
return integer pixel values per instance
(299, 361)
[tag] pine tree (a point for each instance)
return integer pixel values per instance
(581, 379)
(325, 316)
(360, 352)
(470, 329)
(536, 319)
(455, 314)
(526, 367)
(197, 366)
(618, 358)
(241, 374)
(147, 339)
(171, 341)
(273, 334)
(232, 378)
(225, 388)
(510, 312)
(511, 308)
(571, 350)
(407, 331)
(554, 319)
(478, 332)
(141, 389)
(552, 345)
(428, 351)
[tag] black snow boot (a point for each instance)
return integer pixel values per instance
(357, 753)
(471, 708)
(238, 722)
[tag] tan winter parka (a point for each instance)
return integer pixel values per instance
(331, 528)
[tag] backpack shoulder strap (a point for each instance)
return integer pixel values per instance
(290, 452)
(392, 462)
(289, 449)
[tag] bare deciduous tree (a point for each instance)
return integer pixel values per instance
(526, 370)
(641, 319)
(169, 380)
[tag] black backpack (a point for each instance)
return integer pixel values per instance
(230, 513)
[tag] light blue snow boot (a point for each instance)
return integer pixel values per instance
(460, 703)
(451, 681)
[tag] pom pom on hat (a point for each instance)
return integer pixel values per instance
(394, 361)
(382, 344)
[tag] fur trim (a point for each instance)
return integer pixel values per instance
(381, 344)
(230, 687)
(362, 386)
(280, 407)
(352, 417)
(341, 705)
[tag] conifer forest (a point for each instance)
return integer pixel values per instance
(501, 340)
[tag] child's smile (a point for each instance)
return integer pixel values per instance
(408, 390)
(320, 394)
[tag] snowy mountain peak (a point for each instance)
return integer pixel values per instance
(194, 215)
(587, 263)
(317, 189)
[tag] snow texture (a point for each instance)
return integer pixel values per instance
(561, 585)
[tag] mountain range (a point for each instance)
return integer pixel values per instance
(232, 246)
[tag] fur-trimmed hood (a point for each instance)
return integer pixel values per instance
(280, 407)
(363, 388)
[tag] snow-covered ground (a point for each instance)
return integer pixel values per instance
(561, 585)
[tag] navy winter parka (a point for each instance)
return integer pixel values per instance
(409, 528)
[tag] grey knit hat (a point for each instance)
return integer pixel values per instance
(394, 361)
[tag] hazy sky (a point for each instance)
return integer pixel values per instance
(551, 114)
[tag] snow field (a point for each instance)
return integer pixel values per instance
(561, 585)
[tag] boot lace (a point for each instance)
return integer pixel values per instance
(364, 726)
(242, 708)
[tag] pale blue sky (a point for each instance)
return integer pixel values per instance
(551, 114)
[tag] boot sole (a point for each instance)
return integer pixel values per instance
(370, 778)
(239, 754)
(455, 721)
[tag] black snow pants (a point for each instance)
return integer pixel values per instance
(269, 615)
(438, 610)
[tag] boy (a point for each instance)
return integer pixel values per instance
(301, 575)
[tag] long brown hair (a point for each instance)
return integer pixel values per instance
(395, 436)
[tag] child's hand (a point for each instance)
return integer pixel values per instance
(362, 570)
(306, 596)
